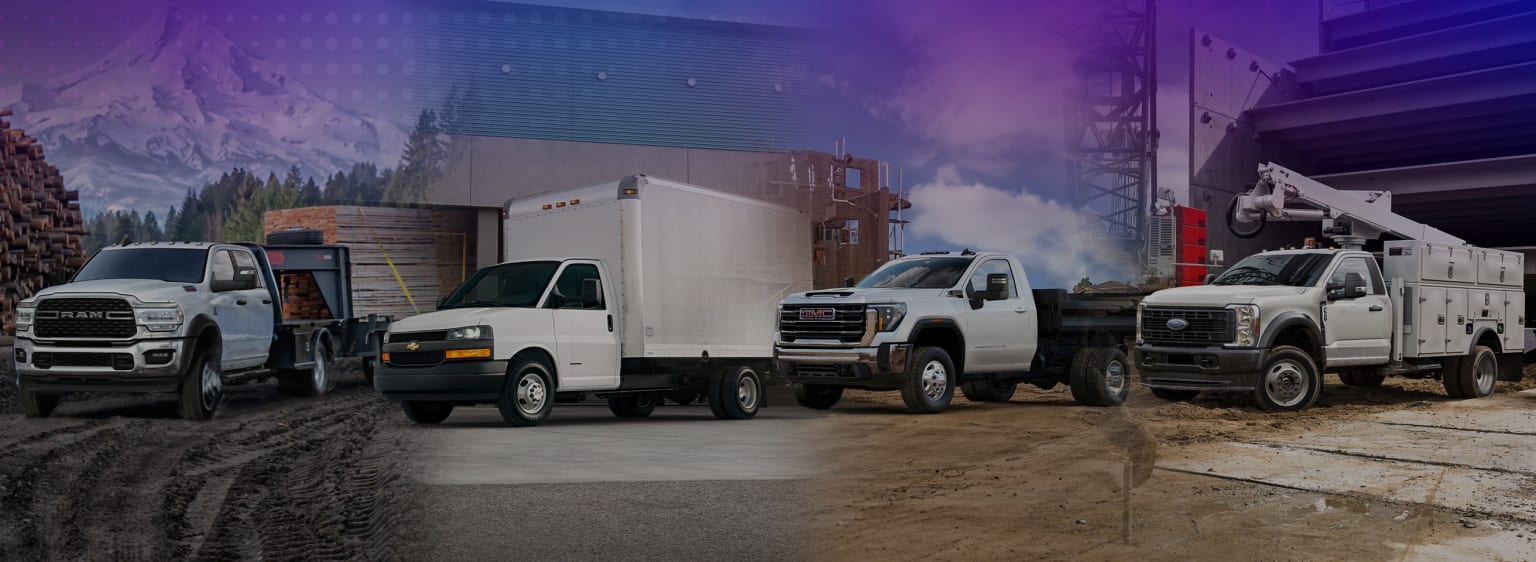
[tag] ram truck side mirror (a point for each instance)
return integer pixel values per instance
(591, 293)
(849, 281)
(244, 280)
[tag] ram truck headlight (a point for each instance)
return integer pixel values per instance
(470, 333)
(161, 319)
(888, 316)
(24, 316)
(1246, 319)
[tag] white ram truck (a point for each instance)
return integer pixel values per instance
(187, 318)
(633, 291)
(927, 324)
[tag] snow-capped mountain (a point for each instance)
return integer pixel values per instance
(178, 104)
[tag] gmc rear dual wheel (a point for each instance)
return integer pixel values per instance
(989, 391)
(1100, 376)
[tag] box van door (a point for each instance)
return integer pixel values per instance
(585, 333)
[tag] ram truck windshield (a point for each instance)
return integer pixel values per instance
(176, 265)
(1292, 270)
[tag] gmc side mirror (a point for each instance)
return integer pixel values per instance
(997, 287)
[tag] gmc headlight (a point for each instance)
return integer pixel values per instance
(160, 319)
(470, 333)
(888, 316)
(1246, 319)
(24, 315)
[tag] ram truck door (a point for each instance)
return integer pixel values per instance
(1358, 331)
(228, 311)
(255, 307)
(999, 335)
(585, 334)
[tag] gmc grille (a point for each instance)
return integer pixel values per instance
(845, 326)
(85, 318)
(1206, 326)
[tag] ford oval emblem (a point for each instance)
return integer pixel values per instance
(1177, 324)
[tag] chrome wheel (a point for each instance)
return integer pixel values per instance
(1114, 377)
(1286, 383)
(530, 393)
(1487, 372)
(746, 393)
(321, 373)
(212, 385)
(935, 380)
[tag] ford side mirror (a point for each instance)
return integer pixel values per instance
(1209, 277)
(849, 281)
(1353, 287)
(591, 293)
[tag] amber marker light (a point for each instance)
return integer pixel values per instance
(479, 353)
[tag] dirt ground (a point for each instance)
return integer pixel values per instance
(1041, 478)
(118, 477)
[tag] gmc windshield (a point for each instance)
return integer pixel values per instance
(920, 273)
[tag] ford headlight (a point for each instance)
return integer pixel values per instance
(1246, 322)
(161, 319)
(24, 315)
(888, 316)
(470, 333)
(1139, 309)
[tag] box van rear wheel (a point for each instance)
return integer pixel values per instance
(737, 394)
(632, 406)
(528, 394)
(818, 396)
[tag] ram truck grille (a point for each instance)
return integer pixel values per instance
(85, 318)
(1203, 326)
(843, 323)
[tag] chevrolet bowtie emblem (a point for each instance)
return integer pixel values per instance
(413, 346)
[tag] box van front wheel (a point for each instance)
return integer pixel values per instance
(528, 394)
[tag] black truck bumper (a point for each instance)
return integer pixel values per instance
(878, 368)
(467, 381)
(1198, 368)
(49, 367)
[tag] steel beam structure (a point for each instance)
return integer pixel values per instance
(1491, 86)
(1112, 131)
(1515, 171)
(1410, 18)
(1476, 46)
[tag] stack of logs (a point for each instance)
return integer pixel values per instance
(40, 223)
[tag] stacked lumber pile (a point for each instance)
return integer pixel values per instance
(302, 299)
(407, 236)
(40, 223)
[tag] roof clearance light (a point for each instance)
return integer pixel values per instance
(575, 201)
(560, 204)
(548, 207)
(631, 191)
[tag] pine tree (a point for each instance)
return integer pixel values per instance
(420, 165)
(151, 228)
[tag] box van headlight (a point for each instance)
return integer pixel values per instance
(888, 316)
(161, 319)
(470, 333)
(1246, 322)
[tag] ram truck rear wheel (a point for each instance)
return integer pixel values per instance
(36, 404)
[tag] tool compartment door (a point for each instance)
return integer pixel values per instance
(1514, 321)
(1431, 321)
(1457, 340)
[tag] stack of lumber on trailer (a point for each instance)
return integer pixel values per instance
(406, 236)
(302, 299)
(40, 223)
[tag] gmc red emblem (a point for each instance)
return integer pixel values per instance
(818, 314)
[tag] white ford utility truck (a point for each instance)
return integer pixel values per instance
(187, 318)
(1273, 323)
(633, 291)
(927, 324)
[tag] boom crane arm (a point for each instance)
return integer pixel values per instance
(1350, 218)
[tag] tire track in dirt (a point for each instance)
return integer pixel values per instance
(272, 478)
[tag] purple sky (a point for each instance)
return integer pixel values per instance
(964, 95)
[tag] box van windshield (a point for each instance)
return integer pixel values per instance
(512, 284)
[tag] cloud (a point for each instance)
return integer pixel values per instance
(1044, 234)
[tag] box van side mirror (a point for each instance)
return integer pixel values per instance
(591, 293)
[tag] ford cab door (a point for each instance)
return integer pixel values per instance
(585, 334)
(1357, 319)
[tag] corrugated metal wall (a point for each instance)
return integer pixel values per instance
(539, 72)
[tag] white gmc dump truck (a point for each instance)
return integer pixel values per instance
(925, 325)
(633, 291)
(1273, 323)
(187, 318)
